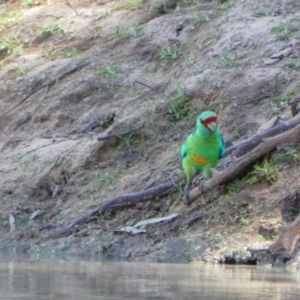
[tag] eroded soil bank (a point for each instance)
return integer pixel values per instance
(146, 69)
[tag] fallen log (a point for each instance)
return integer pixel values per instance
(124, 201)
(260, 144)
(237, 168)
(249, 144)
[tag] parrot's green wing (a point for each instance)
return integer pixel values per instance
(183, 151)
(222, 149)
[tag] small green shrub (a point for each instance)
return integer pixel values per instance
(30, 159)
(200, 18)
(152, 69)
(226, 62)
(265, 12)
(191, 2)
(73, 53)
(284, 30)
(49, 52)
(134, 4)
(294, 153)
(10, 44)
(26, 3)
(165, 6)
(129, 32)
(264, 172)
(130, 140)
(295, 63)
(8, 19)
(224, 6)
(181, 108)
(103, 13)
(17, 71)
(280, 102)
(109, 72)
(171, 52)
(234, 187)
(53, 28)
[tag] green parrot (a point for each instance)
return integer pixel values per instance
(202, 149)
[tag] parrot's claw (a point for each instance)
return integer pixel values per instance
(187, 191)
(201, 185)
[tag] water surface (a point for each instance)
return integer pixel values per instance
(81, 280)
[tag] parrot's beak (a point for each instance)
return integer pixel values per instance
(212, 126)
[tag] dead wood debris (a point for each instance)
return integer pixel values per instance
(286, 241)
(265, 145)
(69, 4)
(124, 201)
(294, 105)
(194, 219)
(249, 144)
(122, 134)
(288, 237)
(149, 87)
(257, 250)
(257, 99)
(48, 85)
(237, 168)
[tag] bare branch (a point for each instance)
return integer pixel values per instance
(51, 83)
(249, 144)
(256, 99)
(236, 169)
(102, 138)
(69, 4)
(124, 201)
(148, 86)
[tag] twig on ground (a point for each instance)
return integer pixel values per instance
(102, 138)
(148, 86)
(194, 219)
(89, 126)
(256, 99)
(124, 201)
(69, 4)
(133, 100)
(51, 83)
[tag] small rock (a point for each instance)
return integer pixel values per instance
(270, 62)
(282, 54)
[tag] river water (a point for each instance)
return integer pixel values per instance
(39, 280)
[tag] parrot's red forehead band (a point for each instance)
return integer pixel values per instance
(209, 120)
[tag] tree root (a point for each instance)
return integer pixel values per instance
(124, 201)
(288, 237)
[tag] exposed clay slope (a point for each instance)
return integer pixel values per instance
(229, 60)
